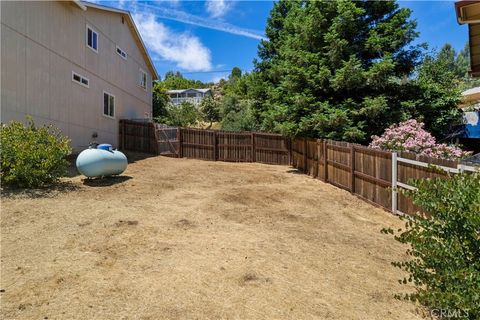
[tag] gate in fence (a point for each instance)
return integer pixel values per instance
(167, 140)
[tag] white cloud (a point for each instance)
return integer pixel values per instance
(217, 8)
(184, 49)
(181, 16)
(217, 78)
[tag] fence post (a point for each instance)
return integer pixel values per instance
(318, 157)
(305, 155)
(215, 145)
(254, 150)
(352, 164)
(394, 182)
(290, 154)
(120, 135)
(180, 142)
(325, 159)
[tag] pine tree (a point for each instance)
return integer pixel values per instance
(335, 69)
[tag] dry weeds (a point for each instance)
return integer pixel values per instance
(188, 239)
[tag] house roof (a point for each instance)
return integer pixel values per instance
(190, 89)
(469, 12)
(470, 92)
(470, 96)
(84, 5)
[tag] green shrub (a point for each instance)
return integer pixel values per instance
(30, 156)
(445, 247)
(183, 115)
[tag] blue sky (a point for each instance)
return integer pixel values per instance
(205, 39)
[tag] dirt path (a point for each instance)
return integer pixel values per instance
(188, 239)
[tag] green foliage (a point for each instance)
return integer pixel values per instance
(236, 73)
(32, 157)
(346, 70)
(210, 111)
(237, 114)
(175, 80)
(160, 100)
(445, 247)
(436, 92)
(183, 115)
(462, 62)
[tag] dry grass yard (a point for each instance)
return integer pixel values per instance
(190, 239)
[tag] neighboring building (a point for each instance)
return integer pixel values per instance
(194, 96)
(76, 65)
(468, 133)
(471, 113)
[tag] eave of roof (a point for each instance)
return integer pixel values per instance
(460, 5)
(134, 28)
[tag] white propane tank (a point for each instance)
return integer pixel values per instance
(101, 162)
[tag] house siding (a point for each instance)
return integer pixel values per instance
(42, 43)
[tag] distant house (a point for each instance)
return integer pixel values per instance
(194, 96)
(471, 113)
(77, 65)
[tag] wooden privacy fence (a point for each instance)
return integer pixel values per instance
(137, 136)
(234, 146)
(374, 175)
(203, 144)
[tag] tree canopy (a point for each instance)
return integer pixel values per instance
(175, 80)
(341, 69)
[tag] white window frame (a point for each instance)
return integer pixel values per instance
(141, 73)
(118, 48)
(81, 78)
(103, 104)
(86, 38)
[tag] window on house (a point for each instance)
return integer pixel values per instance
(121, 53)
(108, 104)
(92, 39)
(80, 79)
(143, 79)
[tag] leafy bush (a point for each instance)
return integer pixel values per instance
(410, 136)
(445, 247)
(183, 115)
(30, 156)
(237, 114)
(210, 111)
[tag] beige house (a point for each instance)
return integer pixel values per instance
(76, 65)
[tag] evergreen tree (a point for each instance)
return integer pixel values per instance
(175, 80)
(334, 69)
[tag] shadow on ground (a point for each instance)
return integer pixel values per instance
(295, 171)
(106, 181)
(46, 192)
(137, 156)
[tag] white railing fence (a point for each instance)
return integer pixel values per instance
(397, 184)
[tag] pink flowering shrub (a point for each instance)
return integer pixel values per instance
(411, 137)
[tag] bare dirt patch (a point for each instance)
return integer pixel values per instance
(189, 239)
